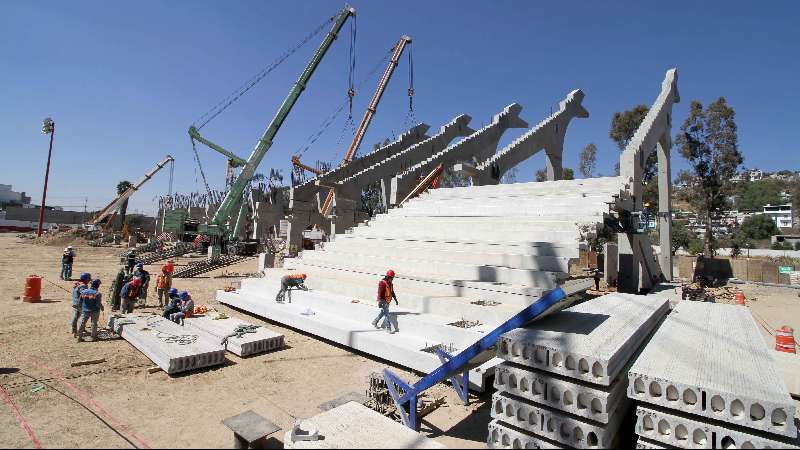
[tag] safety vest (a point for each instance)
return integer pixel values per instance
(388, 292)
(295, 276)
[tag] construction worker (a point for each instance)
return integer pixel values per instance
(597, 277)
(174, 304)
(91, 305)
(116, 287)
(83, 283)
(129, 294)
(163, 283)
(294, 280)
(170, 266)
(66, 263)
(130, 261)
(385, 296)
(186, 308)
(144, 275)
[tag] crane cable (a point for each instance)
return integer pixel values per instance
(249, 84)
(312, 139)
(410, 117)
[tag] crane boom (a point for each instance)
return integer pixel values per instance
(297, 163)
(370, 112)
(217, 227)
(117, 202)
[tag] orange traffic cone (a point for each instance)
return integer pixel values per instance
(739, 296)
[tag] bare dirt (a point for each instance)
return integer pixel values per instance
(119, 404)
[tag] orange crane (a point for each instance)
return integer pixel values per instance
(366, 120)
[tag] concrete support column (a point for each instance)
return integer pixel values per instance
(665, 206)
(554, 154)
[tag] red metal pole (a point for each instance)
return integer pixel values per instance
(46, 176)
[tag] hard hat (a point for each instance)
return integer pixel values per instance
(390, 273)
(96, 283)
(86, 276)
(69, 247)
(173, 291)
(184, 295)
(139, 264)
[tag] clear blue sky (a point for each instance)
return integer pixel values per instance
(124, 80)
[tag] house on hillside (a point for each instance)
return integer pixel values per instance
(780, 214)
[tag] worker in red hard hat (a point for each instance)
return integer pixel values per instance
(385, 296)
(129, 294)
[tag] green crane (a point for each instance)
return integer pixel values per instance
(217, 228)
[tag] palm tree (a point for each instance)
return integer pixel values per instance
(123, 186)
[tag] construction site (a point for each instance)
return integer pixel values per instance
(536, 314)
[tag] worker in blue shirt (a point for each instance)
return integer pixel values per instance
(91, 305)
(76, 300)
(144, 275)
(174, 303)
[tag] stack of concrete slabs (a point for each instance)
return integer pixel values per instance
(262, 340)
(710, 360)
(170, 346)
(592, 341)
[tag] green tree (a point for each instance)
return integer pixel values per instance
(757, 227)
(123, 186)
(682, 236)
(541, 175)
(588, 160)
(753, 196)
(708, 140)
(567, 174)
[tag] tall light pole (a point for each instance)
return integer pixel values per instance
(48, 127)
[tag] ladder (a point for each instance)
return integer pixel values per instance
(202, 267)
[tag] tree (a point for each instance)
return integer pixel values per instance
(123, 186)
(588, 160)
(566, 174)
(682, 236)
(757, 227)
(753, 196)
(709, 142)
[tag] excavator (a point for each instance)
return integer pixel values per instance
(112, 209)
(397, 52)
(223, 235)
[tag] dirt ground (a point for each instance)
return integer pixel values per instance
(118, 404)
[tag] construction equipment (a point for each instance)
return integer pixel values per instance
(456, 368)
(370, 112)
(220, 232)
(430, 180)
(117, 203)
(296, 162)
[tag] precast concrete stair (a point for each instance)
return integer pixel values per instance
(477, 255)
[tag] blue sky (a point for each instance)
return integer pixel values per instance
(123, 81)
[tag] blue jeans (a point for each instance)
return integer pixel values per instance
(387, 320)
(76, 314)
(66, 271)
(94, 316)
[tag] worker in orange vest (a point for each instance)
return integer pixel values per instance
(163, 283)
(385, 296)
(294, 280)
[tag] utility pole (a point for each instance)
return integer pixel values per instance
(48, 127)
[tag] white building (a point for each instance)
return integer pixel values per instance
(780, 214)
(7, 196)
(755, 175)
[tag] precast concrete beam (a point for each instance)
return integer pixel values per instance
(554, 424)
(710, 360)
(676, 429)
(478, 146)
(548, 135)
(596, 403)
(263, 340)
(647, 444)
(504, 436)
(170, 346)
(592, 341)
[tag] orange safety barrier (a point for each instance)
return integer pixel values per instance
(33, 289)
(784, 340)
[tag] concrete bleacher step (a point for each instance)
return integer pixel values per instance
(502, 210)
(364, 289)
(580, 185)
(427, 285)
(463, 245)
(406, 348)
(516, 261)
(555, 237)
(440, 269)
(426, 224)
(530, 200)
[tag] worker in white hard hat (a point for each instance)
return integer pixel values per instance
(66, 263)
